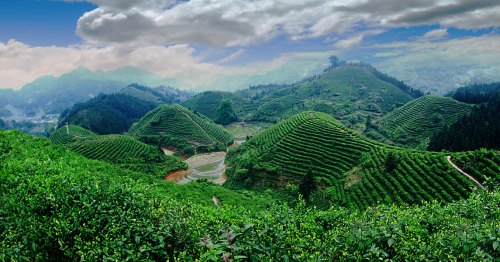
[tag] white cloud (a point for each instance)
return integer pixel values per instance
(240, 23)
(21, 63)
(232, 56)
(348, 43)
(436, 34)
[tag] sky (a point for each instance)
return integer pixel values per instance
(197, 41)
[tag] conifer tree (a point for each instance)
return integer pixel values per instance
(308, 185)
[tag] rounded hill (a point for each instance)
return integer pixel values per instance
(351, 169)
(349, 93)
(70, 133)
(421, 118)
(174, 125)
(208, 102)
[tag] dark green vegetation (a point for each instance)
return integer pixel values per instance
(56, 205)
(107, 114)
(351, 169)
(348, 92)
(208, 102)
(160, 95)
(483, 165)
(480, 129)
(225, 114)
(174, 125)
(125, 152)
(476, 93)
(419, 119)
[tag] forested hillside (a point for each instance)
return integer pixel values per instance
(88, 210)
(349, 92)
(160, 95)
(174, 125)
(479, 129)
(107, 114)
(476, 93)
(208, 102)
(350, 169)
(416, 121)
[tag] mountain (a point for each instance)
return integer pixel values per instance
(294, 69)
(54, 94)
(207, 103)
(174, 125)
(107, 114)
(419, 119)
(349, 92)
(351, 170)
(160, 95)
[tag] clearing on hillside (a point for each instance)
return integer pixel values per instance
(312, 140)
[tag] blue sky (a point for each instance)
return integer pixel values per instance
(196, 40)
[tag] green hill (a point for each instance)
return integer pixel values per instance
(59, 206)
(421, 118)
(208, 102)
(347, 92)
(159, 96)
(107, 114)
(174, 125)
(70, 133)
(125, 152)
(352, 169)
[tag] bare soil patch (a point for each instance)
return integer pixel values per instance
(177, 175)
(168, 152)
(203, 159)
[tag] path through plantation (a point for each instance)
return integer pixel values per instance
(460, 170)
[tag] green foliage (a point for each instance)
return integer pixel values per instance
(107, 114)
(174, 125)
(307, 185)
(419, 119)
(56, 205)
(355, 166)
(391, 161)
(477, 130)
(208, 102)
(225, 114)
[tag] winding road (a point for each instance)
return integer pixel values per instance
(460, 170)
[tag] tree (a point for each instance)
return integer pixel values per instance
(225, 114)
(308, 185)
(334, 60)
(391, 161)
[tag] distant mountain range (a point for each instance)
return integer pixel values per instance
(54, 94)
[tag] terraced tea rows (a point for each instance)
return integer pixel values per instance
(181, 124)
(124, 151)
(69, 134)
(479, 164)
(351, 168)
(421, 117)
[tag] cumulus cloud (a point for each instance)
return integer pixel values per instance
(436, 34)
(225, 23)
(21, 63)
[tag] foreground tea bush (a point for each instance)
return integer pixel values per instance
(58, 206)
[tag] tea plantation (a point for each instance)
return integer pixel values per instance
(124, 151)
(58, 206)
(420, 118)
(352, 170)
(174, 125)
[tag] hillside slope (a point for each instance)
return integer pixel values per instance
(208, 102)
(347, 92)
(174, 125)
(421, 118)
(352, 169)
(123, 151)
(160, 95)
